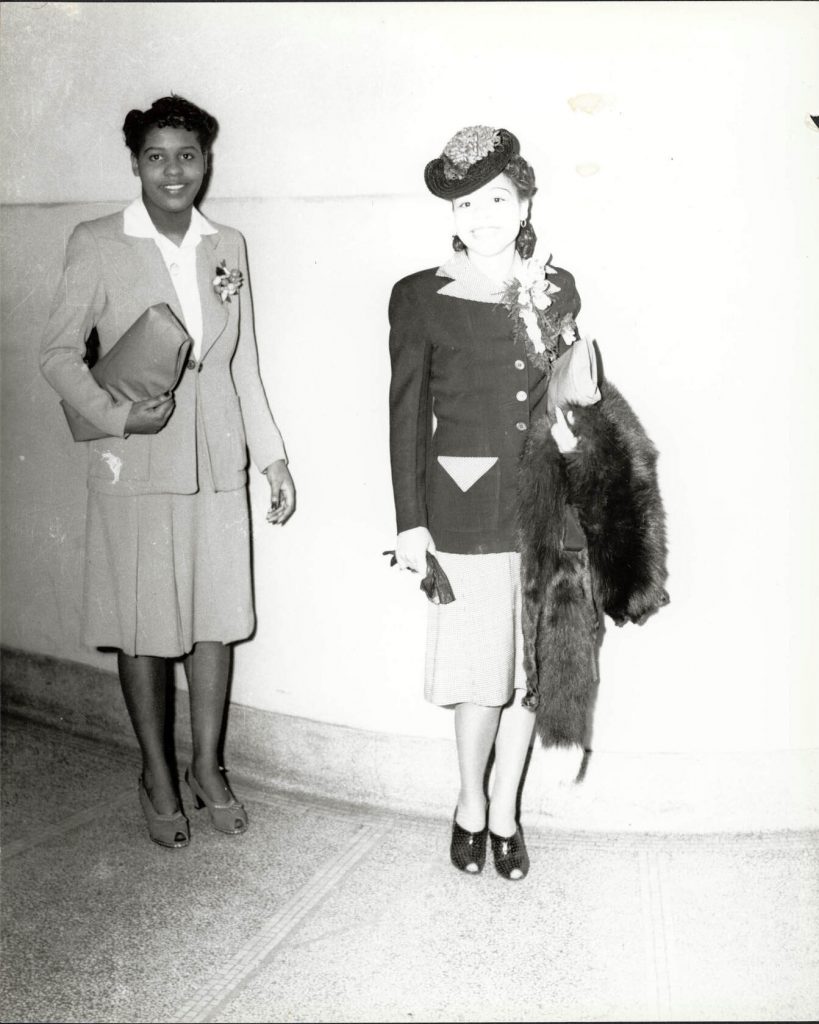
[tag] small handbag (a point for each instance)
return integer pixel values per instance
(146, 362)
(574, 377)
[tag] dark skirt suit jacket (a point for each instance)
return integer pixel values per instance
(110, 279)
(455, 358)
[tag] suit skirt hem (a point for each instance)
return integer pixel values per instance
(167, 571)
(474, 650)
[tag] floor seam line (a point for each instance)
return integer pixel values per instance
(259, 948)
(69, 824)
(659, 937)
(669, 947)
(648, 933)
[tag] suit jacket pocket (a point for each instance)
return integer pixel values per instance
(464, 493)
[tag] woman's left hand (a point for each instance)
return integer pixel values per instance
(565, 440)
(282, 493)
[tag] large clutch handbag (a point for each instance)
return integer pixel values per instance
(574, 377)
(146, 362)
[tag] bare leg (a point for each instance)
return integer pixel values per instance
(143, 680)
(512, 744)
(207, 668)
(475, 729)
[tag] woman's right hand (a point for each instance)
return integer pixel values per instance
(150, 415)
(411, 548)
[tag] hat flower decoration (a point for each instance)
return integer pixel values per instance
(466, 148)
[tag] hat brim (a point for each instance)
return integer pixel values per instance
(481, 172)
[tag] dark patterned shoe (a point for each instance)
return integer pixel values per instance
(510, 856)
(467, 851)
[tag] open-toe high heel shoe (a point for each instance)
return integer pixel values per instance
(510, 855)
(230, 818)
(467, 850)
(170, 830)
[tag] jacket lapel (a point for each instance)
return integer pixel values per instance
(142, 262)
(214, 311)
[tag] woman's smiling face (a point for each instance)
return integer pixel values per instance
(171, 167)
(488, 219)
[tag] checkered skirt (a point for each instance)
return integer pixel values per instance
(474, 648)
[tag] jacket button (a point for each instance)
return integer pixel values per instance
(521, 396)
(521, 426)
(191, 364)
(519, 364)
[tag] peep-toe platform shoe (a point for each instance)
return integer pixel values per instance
(169, 830)
(467, 850)
(510, 854)
(230, 818)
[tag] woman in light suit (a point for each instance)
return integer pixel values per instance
(168, 571)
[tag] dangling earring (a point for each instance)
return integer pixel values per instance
(457, 244)
(525, 242)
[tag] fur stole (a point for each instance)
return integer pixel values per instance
(592, 541)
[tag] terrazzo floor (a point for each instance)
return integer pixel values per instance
(325, 912)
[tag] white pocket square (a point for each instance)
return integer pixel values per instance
(466, 470)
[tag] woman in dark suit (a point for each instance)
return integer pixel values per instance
(466, 386)
(168, 534)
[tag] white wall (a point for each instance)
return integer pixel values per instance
(678, 180)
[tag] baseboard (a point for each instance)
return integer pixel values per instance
(748, 791)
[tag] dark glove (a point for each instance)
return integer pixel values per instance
(435, 584)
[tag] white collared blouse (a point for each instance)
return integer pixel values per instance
(180, 261)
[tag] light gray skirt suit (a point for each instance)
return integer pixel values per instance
(167, 532)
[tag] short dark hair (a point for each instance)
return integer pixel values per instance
(169, 112)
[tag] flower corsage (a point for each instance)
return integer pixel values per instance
(227, 282)
(537, 323)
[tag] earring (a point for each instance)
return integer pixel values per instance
(525, 243)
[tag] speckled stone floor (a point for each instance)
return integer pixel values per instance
(324, 912)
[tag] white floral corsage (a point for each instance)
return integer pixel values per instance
(528, 298)
(227, 282)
